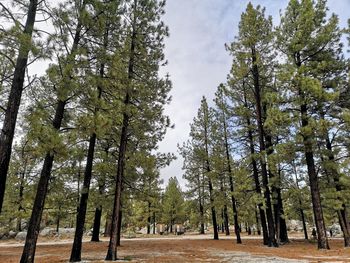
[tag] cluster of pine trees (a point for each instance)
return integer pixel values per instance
(275, 144)
(85, 131)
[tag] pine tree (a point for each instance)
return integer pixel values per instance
(309, 42)
(252, 46)
(144, 94)
(173, 204)
(222, 112)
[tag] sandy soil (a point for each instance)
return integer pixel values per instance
(184, 249)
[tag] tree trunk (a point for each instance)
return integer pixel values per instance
(210, 185)
(20, 200)
(108, 226)
(119, 226)
(80, 222)
(97, 224)
(154, 223)
(98, 212)
(149, 219)
(229, 169)
(201, 208)
(300, 204)
(14, 100)
(315, 192)
(257, 222)
(223, 222)
(116, 220)
(39, 202)
(280, 222)
(201, 211)
(304, 223)
(58, 220)
(213, 212)
(78, 236)
(259, 115)
(256, 178)
(226, 221)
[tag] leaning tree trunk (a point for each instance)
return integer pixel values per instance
(14, 100)
(79, 230)
(39, 202)
(259, 115)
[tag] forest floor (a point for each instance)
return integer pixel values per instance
(186, 248)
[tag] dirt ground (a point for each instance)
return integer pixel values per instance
(185, 248)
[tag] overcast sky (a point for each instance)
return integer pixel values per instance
(198, 61)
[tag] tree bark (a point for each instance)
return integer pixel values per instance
(149, 219)
(108, 226)
(304, 223)
(97, 224)
(213, 212)
(257, 222)
(14, 100)
(119, 226)
(201, 207)
(154, 223)
(80, 222)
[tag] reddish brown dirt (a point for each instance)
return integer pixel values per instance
(184, 250)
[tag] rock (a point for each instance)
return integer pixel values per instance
(24, 224)
(4, 236)
(12, 234)
(294, 225)
(21, 236)
(66, 231)
(336, 229)
(143, 231)
(47, 231)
